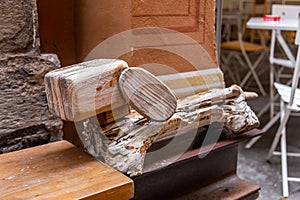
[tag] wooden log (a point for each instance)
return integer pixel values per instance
(186, 84)
(83, 90)
(238, 116)
(123, 144)
(190, 83)
(96, 89)
(147, 94)
(111, 116)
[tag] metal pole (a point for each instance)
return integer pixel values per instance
(219, 28)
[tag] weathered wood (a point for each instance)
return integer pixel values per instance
(147, 94)
(111, 116)
(100, 94)
(189, 83)
(59, 170)
(239, 117)
(25, 119)
(18, 27)
(83, 90)
(126, 141)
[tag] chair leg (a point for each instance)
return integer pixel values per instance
(252, 71)
(242, 63)
(225, 62)
(254, 67)
(264, 129)
(271, 90)
(286, 113)
(284, 167)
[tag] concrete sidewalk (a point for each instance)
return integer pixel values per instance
(252, 164)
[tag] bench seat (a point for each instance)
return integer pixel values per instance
(59, 170)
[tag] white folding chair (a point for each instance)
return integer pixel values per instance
(290, 101)
(285, 12)
(247, 54)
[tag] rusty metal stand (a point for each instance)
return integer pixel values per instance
(211, 177)
(191, 177)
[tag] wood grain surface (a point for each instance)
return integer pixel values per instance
(190, 83)
(124, 144)
(59, 171)
(147, 95)
(86, 89)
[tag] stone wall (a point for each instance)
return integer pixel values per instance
(24, 117)
(18, 27)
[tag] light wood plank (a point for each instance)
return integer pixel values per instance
(82, 90)
(59, 171)
(190, 83)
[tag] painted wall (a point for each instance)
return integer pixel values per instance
(57, 28)
(72, 28)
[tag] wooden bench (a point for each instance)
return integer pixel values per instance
(59, 170)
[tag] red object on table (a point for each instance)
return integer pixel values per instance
(271, 18)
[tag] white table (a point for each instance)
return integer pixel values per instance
(276, 27)
(284, 24)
